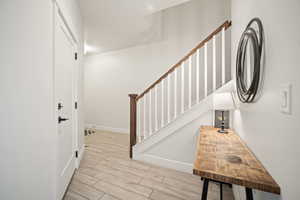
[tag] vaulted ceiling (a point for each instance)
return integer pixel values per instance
(116, 24)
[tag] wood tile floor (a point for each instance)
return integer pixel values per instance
(107, 173)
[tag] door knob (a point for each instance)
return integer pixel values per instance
(60, 119)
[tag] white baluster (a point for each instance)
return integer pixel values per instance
(145, 121)
(162, 103)
(223, 57)
(190, 82)
(175, 93)
(155, 107)
(150, 113)
(214, 64)
(205, 70)
(169, 99)
(182, 87)
(197, 75)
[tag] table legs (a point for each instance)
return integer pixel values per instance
(249, 194)
(205, 189)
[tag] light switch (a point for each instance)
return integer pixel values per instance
(285, 95)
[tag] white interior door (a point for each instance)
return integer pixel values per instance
(65, 65)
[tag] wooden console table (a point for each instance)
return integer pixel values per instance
(225, 158)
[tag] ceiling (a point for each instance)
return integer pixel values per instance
(116, 24)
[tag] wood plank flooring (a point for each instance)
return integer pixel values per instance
(107, 173)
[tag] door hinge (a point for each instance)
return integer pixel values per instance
(76, 105)
(76, 154)
(76, 56)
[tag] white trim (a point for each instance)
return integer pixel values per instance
(80, 155)
(107, 128)
(70, 161)
(163, 162)
(63, 11)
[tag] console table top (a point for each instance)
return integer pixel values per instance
(226, 158)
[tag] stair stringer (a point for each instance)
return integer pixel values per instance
(200, 113)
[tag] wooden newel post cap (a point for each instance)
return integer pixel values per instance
(133, 96)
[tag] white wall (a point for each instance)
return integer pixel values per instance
(273, 136)
(27, 141)
(181, 145)
(110, 77)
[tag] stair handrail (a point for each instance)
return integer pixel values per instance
(225, 25)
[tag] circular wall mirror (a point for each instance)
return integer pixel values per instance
(248, 61)
(248, 65)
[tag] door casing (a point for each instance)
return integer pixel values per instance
(57, 12)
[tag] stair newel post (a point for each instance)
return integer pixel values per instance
(133, 122)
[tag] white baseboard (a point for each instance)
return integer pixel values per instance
(163, 162)
(80, 155)
(107, 128)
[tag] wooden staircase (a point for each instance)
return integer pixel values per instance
(197, 75)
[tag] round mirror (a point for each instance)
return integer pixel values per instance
(248, 62)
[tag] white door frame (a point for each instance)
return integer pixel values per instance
(75, 76)
(75, 101)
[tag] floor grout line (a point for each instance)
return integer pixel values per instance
(115, 159)
(125, 188)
